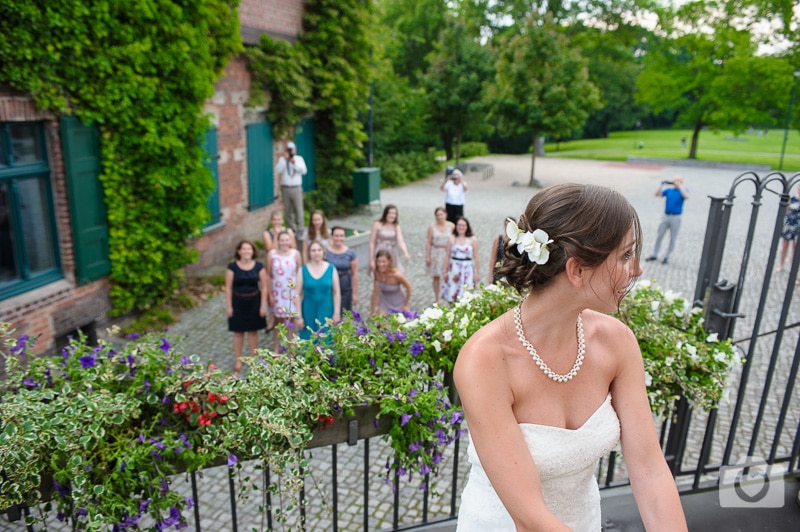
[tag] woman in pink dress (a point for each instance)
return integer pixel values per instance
(386, 234)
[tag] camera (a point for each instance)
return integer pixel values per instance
(667, 182)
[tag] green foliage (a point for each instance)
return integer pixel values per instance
(280, 69)
(459, 69)
(402, 168)
(556, 100)
(151, 320)
(680, 358)
(141, 70)
(411, 31)
(474, 149)
(712, 79)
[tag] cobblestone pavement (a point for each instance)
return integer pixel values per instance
(488, 203)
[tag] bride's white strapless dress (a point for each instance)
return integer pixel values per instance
(566, 460)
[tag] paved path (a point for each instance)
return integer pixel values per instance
(489, 202)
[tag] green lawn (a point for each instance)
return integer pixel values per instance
(721, 146)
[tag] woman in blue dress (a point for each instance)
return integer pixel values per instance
(346, 263)
(319, 291)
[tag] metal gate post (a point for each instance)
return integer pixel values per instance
(719, 316)
(713, 246)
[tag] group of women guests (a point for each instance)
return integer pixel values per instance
(306, 286)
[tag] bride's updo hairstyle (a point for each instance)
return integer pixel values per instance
(586, 222)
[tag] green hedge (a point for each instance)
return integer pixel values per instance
(402, 168)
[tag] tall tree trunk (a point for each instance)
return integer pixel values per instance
(447, 142)
(458, 147)
(533, 181)
(695, 135)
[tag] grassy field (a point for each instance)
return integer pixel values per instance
(757, 147)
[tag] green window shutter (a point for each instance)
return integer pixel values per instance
(304, 138)
(81, 147)
(210, 145)
(259, 165)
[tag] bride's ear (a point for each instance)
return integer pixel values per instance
(575, 272)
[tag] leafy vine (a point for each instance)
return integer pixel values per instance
(143, 79)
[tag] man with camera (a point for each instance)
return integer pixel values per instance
(455, 189)
(291, 168)
(675, 194)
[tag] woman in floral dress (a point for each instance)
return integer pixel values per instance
(284, 269)
(463, 265)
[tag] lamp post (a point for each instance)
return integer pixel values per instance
(788, 117)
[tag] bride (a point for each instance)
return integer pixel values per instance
(552, 385)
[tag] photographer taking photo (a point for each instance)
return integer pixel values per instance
(291, 168)
(675, 194)
(455, 189)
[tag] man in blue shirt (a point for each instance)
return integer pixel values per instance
(675, 194)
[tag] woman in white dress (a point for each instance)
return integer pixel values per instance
(539, 414)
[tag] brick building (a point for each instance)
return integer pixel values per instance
(53, 233)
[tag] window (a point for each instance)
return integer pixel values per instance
(28, 243)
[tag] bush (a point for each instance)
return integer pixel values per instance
(402, 168)
(473, 149)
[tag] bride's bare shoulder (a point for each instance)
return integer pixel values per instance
(487, 347)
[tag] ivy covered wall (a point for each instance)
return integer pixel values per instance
(141, 70)
(325, 73)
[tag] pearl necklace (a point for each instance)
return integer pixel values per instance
(537, 359)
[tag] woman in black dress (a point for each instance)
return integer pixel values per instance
(246, 285)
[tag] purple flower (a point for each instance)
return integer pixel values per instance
(87, 361)
(122, 466)
(164, 486)
(437, 457)
(177, 450)
(372, 362)
(144, 505)
(425, 469)
(410, 314)
(133, 336)
(389, 336)
(189, 502)
(405, 418)
(438, 385)
(185, 360)
(375, 423)
(361, 330)
(400, 336)
(417, 348)
(441, 435)
(81, 512)
(47, 377)
(141, 438)
(167, 400)
(165, 345)
(456, 418)
(158, 443)
(62, 490)
(232, 460)
(356, 316)
(156, 454)
(414, 446)
(401, 471)
(61, 517)
(30, 383)
(412, 392)
(19, 349)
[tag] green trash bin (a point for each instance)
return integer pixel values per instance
(366, 185)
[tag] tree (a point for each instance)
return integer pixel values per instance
(708, 72)
(542, 84)
(459, 68)
(414, 27)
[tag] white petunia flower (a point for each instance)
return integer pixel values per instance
(448, 335)
(437, 345)
(712, 338)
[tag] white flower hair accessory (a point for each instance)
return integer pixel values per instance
(534, 244)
